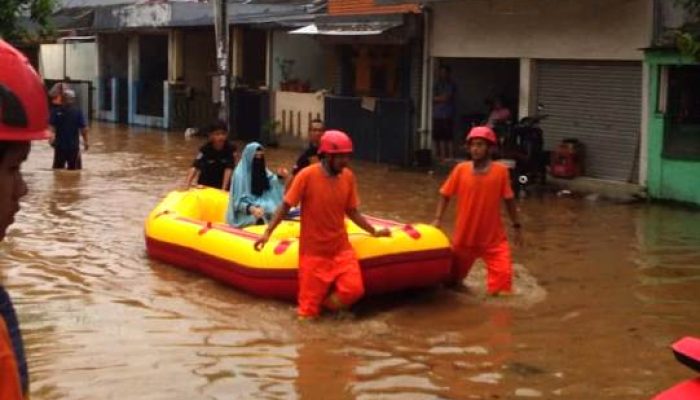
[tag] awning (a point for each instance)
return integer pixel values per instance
(395, 2)
(355, 26)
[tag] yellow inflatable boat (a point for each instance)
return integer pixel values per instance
(187, 229)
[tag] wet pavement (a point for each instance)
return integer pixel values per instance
(603, 289)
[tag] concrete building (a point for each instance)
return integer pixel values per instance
(582, 60)
(674, 114)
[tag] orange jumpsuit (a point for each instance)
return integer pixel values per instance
(479, 230)
(329, 273)
(10, 387)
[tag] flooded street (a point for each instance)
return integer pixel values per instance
(604, 289)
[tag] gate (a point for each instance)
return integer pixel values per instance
(381, 130)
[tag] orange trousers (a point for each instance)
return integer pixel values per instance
(499, 265)
(10, 387)
(334, 282)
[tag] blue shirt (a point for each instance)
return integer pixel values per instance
(444, 110)
(68, 122)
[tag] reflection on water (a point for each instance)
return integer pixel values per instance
(604, 289)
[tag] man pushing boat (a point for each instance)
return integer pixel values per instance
(328, 193)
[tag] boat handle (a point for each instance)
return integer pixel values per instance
(411, 231)
(205, 229)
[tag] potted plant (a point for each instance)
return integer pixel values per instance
(286, 66)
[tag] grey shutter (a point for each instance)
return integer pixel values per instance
(599, 103)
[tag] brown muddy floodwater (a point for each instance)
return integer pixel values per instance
(604, 289)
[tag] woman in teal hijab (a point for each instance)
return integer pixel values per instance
(255, 192)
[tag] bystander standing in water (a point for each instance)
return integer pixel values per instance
(68, 123)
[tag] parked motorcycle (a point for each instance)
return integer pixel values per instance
(523, 142)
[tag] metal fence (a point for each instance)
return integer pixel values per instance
(190, 109)
(380, 128)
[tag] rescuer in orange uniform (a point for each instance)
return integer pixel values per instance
(480, 186)
(23, 117)
(327, 193)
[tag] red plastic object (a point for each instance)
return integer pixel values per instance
(567, 160)
(687, 352)
(688, 390)
(24, 111)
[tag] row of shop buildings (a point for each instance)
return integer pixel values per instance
(602, 70)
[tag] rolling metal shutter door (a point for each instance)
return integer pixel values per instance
(599, 103)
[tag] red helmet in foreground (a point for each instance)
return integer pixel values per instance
(335, 142)
(482, 132)
(24, 113)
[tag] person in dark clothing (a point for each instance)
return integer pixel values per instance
(215, 161)
(68, 123)
(310, 155)
(444, 100)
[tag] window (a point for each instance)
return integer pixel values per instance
(682, 112)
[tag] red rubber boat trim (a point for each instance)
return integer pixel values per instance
(381, 274)
(688, 390)
(687, 352)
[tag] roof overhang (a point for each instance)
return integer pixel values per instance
(351, 25)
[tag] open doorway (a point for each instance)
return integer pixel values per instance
(153, 72)
(479, 82)
(254, 74)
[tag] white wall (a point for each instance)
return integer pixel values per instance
(81, 60)
(309, 56)
(81, 64)
(555, 29)
(199, 59)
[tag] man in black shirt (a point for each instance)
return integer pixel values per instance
(310, 155)
(215, 161)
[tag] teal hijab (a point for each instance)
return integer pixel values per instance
(241, 196)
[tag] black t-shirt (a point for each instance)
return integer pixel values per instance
(212, 164)
(305, 159)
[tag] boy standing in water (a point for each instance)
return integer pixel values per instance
(327, 193)
(23, 118)
(480, 185)
(214, 163)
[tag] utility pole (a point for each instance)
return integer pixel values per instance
(222, 59)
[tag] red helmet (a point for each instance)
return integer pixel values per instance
(335, 142)
(24, 113)
(483, 132)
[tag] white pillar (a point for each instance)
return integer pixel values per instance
(268, 60)
(526, 98)
(133, 76)
(175, 56)
(426, 86)
(236, 56)
(644, 129)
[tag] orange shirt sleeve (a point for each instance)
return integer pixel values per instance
(451, 185)
(506, 189)
(10, 387)
(296, 191)
(353, 198)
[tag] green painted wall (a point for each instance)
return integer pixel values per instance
(667, 179)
